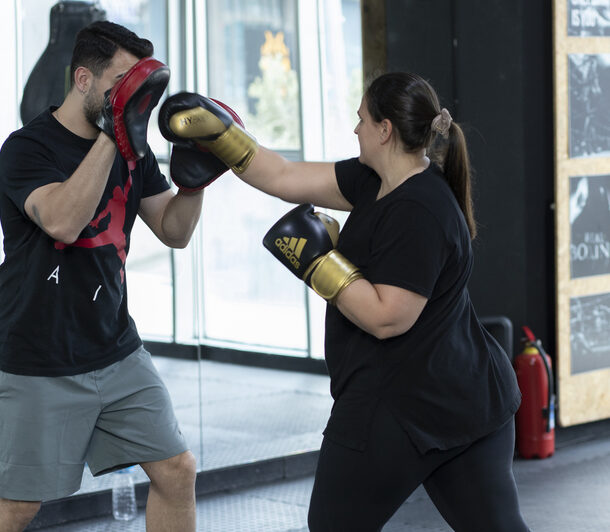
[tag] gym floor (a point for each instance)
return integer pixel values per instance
(258, 422)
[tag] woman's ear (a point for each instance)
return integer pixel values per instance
(385, 130)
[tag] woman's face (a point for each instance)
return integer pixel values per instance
(368, 132)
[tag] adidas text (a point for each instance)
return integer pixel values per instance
(291, 249)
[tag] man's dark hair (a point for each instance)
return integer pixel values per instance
(96, 44)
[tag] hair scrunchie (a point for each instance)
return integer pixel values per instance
(442, 122)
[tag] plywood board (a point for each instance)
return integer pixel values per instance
(582, 208)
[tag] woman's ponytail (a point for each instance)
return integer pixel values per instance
(456, 168)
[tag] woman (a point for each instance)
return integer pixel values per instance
(423, 394)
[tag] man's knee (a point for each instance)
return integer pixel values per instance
(177, 472)
(184, 467)
(18, 512)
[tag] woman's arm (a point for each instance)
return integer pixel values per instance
(211, 125)
(380, 309)
(295, 182)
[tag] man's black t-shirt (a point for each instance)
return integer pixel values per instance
(63, 308)
(446, 380)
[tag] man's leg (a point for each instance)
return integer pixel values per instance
(138, 425)
(45, 426)
(171, 497)
(16, 515)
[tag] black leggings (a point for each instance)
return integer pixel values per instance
(472, 487)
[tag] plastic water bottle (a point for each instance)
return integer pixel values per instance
(124, 495)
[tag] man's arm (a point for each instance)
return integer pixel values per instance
(63, 210)
(172, 217)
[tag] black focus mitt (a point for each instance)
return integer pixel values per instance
(192, 169)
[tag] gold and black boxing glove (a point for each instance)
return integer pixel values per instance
(304, 241)
(330, 274)
(189, 118)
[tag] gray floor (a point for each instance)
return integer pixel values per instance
(254, 414)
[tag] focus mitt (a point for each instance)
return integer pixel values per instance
(128, 105)
(192, 169)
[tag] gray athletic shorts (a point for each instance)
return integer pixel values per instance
(108, 418)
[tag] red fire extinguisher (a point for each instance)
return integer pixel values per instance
(535, 419)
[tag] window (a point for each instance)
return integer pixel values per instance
(253, 67)
(263, 60)
(292, 70)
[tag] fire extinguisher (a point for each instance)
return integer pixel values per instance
(535, 419)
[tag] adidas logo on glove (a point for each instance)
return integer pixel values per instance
(325, 269)
(291, 248)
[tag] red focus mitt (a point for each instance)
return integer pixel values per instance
(128, 105)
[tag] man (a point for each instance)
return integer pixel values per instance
(76, 385)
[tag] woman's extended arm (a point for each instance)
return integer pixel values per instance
(295, 182)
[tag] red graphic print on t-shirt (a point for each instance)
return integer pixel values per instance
(113, 234)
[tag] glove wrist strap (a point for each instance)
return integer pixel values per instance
(330, 274)
(235, 147)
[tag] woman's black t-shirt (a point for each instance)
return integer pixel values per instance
(63, 308)
(446, 380)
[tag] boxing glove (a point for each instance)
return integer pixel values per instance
(191, 118)
(304, 241)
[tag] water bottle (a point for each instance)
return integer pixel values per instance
(124, 495)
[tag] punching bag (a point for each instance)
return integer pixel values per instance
(49, 79)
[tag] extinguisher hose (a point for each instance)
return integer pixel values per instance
(550, 414)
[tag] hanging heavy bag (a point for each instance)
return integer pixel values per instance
(48, 81)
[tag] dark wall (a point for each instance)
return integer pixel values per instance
(491, 63)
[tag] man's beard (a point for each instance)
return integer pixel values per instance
(92, 107)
